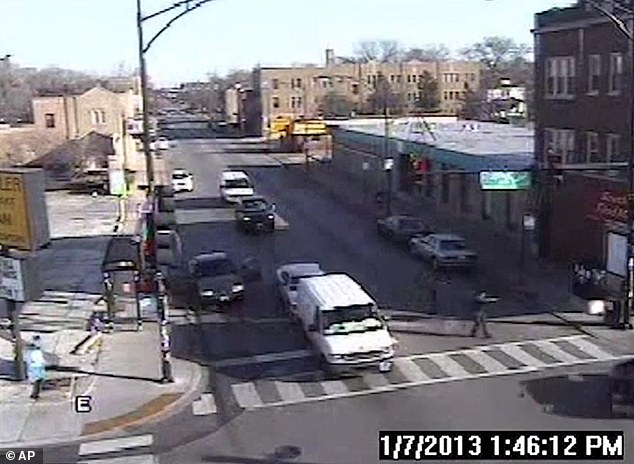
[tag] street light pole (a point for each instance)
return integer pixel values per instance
(153, 277)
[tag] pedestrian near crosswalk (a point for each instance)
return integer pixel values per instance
(425, 369)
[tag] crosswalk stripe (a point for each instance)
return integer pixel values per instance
(115, 444)
(374, 379)
(486, 361)
(590, 348)
(334, 387)
(246, 395)
(522, 356)
(448, 365)
(289, 391)
(205, 405)
(139, 459)
(410, 370)
(556, 352)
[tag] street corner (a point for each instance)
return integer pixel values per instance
(154, 404)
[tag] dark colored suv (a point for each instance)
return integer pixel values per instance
(255, 213)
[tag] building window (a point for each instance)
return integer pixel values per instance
(613, 149)
(369, 79)
(98, 116)
(409, 78)
(392, 78)
(355, 89)
(444, 96)
(594, 73)
(559, 145)
(399, 78)
(49, 119)
(276, 102)
(560, 76)
(592, 148)
(616, 73)
(276, 84)
(299, 102)
(472, 77)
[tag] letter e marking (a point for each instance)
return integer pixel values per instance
(83, 404)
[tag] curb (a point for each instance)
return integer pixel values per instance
(576, 325)
(87, 344)
(178, 403)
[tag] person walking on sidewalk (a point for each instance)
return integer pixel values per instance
(36, 367)
(479, 313)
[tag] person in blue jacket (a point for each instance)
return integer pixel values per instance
(36, 367)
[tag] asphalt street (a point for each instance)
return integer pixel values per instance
(279, 408)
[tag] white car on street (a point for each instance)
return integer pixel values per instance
(287, 278)
(182, 181)
(160, 144)
(235, 185)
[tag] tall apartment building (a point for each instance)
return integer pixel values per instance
(299, 91)
(583, 92)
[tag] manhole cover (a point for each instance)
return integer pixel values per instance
(287, 452)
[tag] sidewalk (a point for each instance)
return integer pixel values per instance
(121, 374)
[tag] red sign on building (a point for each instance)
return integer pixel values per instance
(608, 206)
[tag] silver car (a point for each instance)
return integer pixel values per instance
(444, 251)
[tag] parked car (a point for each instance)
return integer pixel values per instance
(287, 278)
(217, 281)
(401, 228)
(255, 213)
(444, 251)
(182, 181)
(235, 185)
(162, 143)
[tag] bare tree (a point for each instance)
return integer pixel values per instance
(496, 52)
(429, 99)
(430, 52)
(383, 51)
(334, 104)
(384, 96)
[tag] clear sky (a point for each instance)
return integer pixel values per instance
(100, 35)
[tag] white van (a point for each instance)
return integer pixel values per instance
(235, 185)
(343, 324)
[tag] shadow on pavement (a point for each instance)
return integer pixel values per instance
(102, 374)
(583, 396)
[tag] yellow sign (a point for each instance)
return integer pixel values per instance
(14, 217)
(309, 128)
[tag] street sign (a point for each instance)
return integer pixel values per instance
(505, 180)
(23, 214)
(365, 165)
(529, 222)
(389, 163)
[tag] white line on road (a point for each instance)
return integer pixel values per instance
(289, 391)
(205, 405)
(410, 370)
(554, 351)
(593, 350)
(115, 444)
(334, 387)
(264, 358)
(449, 366)
(522, 356)
(246, 395)
(489, 363)
(142, 459)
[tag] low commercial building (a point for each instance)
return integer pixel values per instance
(439, 160)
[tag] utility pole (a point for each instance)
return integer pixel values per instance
(150, 258)
(6, 66)
(387, 162)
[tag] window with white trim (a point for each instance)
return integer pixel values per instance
(560, 76)
(613, 149)
(560, 144)
(594, 74)
(616, 73)
(593, 154)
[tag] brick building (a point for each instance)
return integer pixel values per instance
(582, 115)
(299, 91)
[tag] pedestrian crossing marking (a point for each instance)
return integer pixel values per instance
(246, 395)
(334, 387)
(139, 459)
(410, 370)
(430, 368)
(514, 351)
(553, 350)
(449, 366)
(289, 391)
(205, 405)
(115, 444)
(592, 349)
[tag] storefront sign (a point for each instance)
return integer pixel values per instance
(607, 205)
